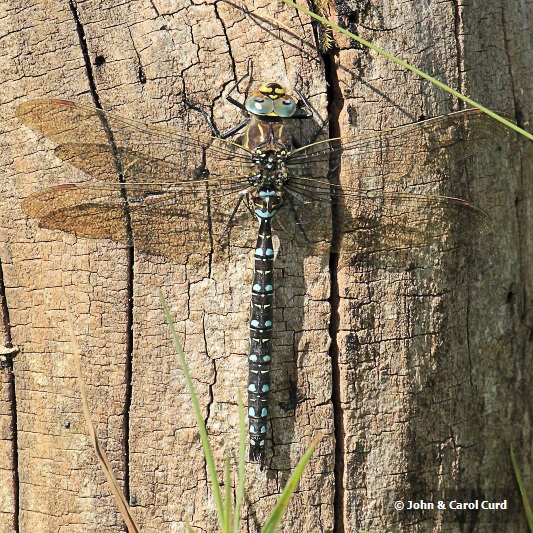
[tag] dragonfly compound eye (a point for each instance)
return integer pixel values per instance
(285, 107)
(258, 104)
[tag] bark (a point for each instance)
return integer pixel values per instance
(425, 380)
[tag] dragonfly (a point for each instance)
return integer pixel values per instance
(189, 196)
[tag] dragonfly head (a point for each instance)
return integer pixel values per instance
(271, 100)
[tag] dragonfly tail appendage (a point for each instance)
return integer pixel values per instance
(257, 455)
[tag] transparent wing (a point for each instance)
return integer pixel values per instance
(187, 154)
(158, 218)
(377, 220)
(163, 193)
(373, 211)
(401, 156)
(99, 160)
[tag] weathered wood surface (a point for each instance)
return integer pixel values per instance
(431, 377)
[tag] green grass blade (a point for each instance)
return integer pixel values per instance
(189, 527)
(286, 495)
(412, 69)
(242, 464)
(198, 413)
(227, 494)
(525, 500)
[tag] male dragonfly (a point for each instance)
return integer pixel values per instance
(187, 195)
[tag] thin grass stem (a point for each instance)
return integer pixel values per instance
(198, 413)
(412, 69)
(283, 502)
(227, 493)
(525, 499)
(242, 464)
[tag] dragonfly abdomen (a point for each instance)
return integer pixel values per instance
(266, 205)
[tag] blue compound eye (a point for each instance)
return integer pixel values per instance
(258, 104)
(285, 107)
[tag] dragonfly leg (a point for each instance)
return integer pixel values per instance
(304, 107)
(315, 136)
(232, 216)
(235, 129)
(232, 100)
(212, 125)
(191, 105)
(319, 131)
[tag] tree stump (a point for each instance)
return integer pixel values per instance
(419, 377)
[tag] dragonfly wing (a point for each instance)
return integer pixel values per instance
(378, 220)
(187, 154)
(381, 221)
(106, 164)
(401, 156)
(158, 219)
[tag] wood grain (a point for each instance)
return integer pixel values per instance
(429, 377)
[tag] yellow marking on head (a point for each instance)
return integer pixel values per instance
(272, 89)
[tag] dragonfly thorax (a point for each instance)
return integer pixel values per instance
(269, 168)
